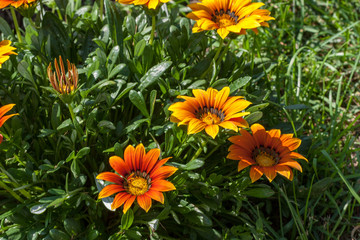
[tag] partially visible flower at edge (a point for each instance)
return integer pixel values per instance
(267, 152)
(58, 79)
(150, 4)
(140, 176)
(228, 16)
(15, 3)
(210, 109)
(5, 51)
(3, 111)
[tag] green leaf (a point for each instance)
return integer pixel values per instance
(23, 68)
(5, 28)
(153, 74)
(239, 83)
(72, 226)
(58, 234)
(264, 192)
(38, 209)
(127, 219)
(192, 165)
(297, 107)
(257, 107)
(83, 152)
(75, 169)
(152, 101)
(138, 100)
(112, 58)
(253, 117)
(197, 217)
(139, 48)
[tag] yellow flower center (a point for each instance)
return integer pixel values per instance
(265, 160)
(224, 19)
(265, 157)
(137, 186)
(210, 118)
(63, 89)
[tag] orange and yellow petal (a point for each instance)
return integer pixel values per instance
(255, 173)
(120, 199)
(163, 172)
(212, 130)
(118, 164)
(144, 202)
(269, 172)
(110, 190)
(128, 203)
(156, 195)
(110, 177)
(162, 186)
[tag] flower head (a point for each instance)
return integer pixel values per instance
(5, 51)
(3, 111)
(150, 4)
(228, 16)
(63, 84)
(210, 109)
(267, 152)
(15, 3)
(140, 176)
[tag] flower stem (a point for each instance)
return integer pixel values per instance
(152, 29)
(199, 151)
(214, 59)
(76, 123)
(16, 24)
(101, 9)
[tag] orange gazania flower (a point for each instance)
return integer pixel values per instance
(14, 3)
(3, 111)
(210, 109)
(150, 4)
(267, 152)
(228, 16)
(139, 176)
(5, 51)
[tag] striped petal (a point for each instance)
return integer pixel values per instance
(110, 177)
(144, 202)
(128, 203)
(255, 173)
(110, 190)
(162, 186)
(156, 195)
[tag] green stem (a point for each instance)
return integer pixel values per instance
(214, 59)
(152, 29)
(17, 197)
(16, 24)
(199, 151)
(101, 9)
(76, 123)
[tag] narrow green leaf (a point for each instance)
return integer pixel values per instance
(138, 100)
(153, 74)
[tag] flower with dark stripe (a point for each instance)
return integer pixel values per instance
(210, 109)
(139, 176)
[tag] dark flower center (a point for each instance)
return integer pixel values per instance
(210, 115)
(224, 18)
(265, 157)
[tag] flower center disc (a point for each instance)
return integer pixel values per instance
(210, 118)
(265, 160)
(138, 186)
(224, 21)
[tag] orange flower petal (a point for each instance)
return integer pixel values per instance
(221, 97)
(110, 177)
(255, 173)
(229, 125)
(110, 190)
(139, 155)
(212, 130)
(242, 165)
(162, 186)
(128, 203)
(283, 170)
(119, 199)
(259, 134)
(292, 143)
(118, 164)
(129, 156)
(3, 119)
(163, 172)
(5, 109)
(290, 163)
(269, 172)
(195, 126)
(293, 155)
(150, 159)
(156, 195)
(144, 202)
